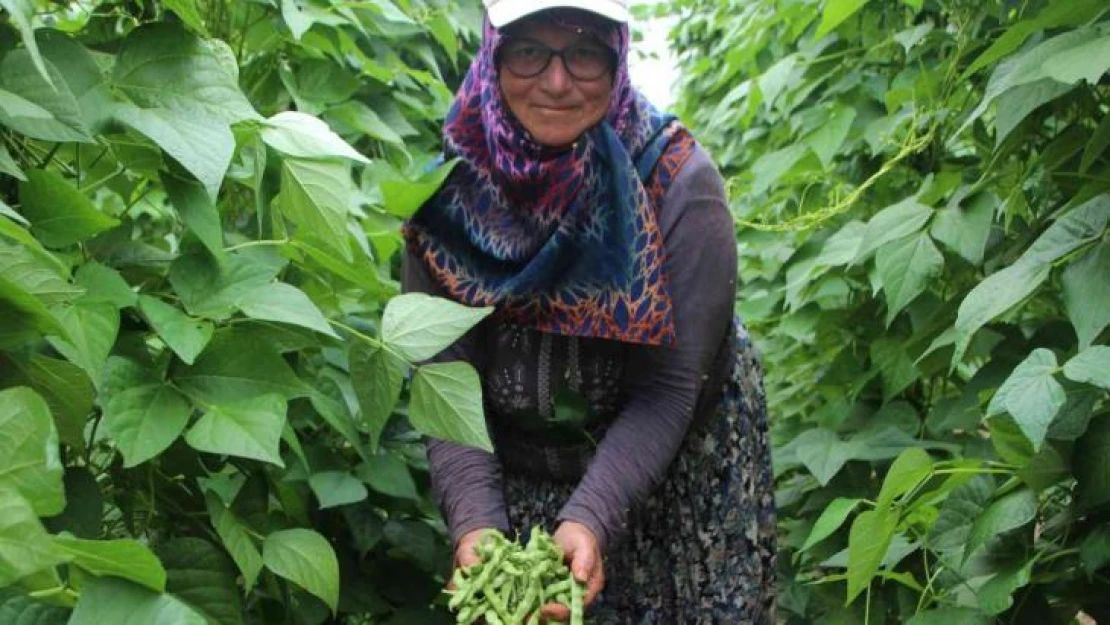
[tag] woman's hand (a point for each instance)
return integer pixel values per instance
(465, 554)
(583, 556)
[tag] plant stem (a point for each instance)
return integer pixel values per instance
(263, 243)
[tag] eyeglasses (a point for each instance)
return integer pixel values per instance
(528, 58)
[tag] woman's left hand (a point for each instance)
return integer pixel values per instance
(583, 555)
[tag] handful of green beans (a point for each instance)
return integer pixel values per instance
(512, 582)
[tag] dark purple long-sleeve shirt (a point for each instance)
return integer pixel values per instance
(651, 392)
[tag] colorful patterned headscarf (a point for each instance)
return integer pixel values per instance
(563, 241)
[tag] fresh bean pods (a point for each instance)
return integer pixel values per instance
(513, 581)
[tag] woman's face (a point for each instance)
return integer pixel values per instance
(554, 106)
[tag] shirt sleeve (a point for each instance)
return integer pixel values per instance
(661, 393)
(466, 481)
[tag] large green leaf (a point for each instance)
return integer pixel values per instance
(213, 289)
(316, 196)
(250, 428)
(868, 542)
(231, 370)
(91, 332)
(966, 230)
(906, 267)
(29, 461)
(1032, 395)
(418, 326)
(996, 595)
(447, 403)
(66, 389)
(285, 303)
(186, 336)
(189, 13)
(306, 559)
(197, 211)
(377, 376)
(362, 118)
(832, 517)
(124, 558)
(19, 609)
(203, 144)
(1092, 465)
(145, 420)
(60, 215)
(236, 539)
(336, 488)
(388, 474)
(36, 107)
(1006, 514)
(30, 268)
(201, 575)
(403, 199)
(959, 512)
(22, 12)
(103, 284)
(25, 547)
(163, 66)
(1016, 104)
(910, 469)
(84, 506)
(892, 223)
(119, 602)
(1085, 292)
(1087, 61)
(836, 11)
(1078, 227)
(895, 366)
(304, 136)
(997, 294)
(1092, 366)
(1094, 553)
(81, 73)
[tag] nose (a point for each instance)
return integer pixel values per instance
(556, 80)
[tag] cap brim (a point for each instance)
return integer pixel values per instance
(504, 13)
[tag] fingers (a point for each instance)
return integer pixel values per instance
(556, 612)
(595, 584)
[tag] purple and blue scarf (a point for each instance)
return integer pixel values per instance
(567, 241)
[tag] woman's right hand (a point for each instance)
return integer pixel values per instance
(465, 554)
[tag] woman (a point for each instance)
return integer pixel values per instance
(623, 399)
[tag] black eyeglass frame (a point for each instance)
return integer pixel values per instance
(552, 53)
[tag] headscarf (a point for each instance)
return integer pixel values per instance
(564, 241)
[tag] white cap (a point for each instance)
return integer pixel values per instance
(502, 12)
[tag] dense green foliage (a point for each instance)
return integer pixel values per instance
(201, 342)
(922, 191)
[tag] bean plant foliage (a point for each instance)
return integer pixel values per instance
(212, 395)
(922, 191)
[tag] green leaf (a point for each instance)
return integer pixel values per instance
(27, 265)
(966, 231)
(163, 66)
(145, 420)
(104, 285)
(418, 326)
(197, 211)
(306, 559)
(1087, 61)
(1009, 513)
(996, 596)
(1091, 366)
(447, 403)
(1078, 227)
(10, 167)
(830, 520)
(362, 118)
(202, 144)
(339, 417)
(336, 488)
(37, 107)
(909, 470)
(1092, 465)
(895, 366)
(199, 574)
(823, 453)
(316, 196)
(957, 514)
(19, 609)
(304, 136)
(892, 223)
(997, 294)
(1017, 103)
(1094, 553)
(236, 539)
(1046, 469)
(443, 31)
(119, 602)
(770, 167)
(1032, 395)
(29, 461)
(403, 198)
(1086, 291)
(91, 331)
(66, 389)
(22, 12)
(1100, 140)
(187, 11)
(827, 139)
(25, 547)
(60, 215)
(836, 11)
(124, 558)
(231, 370)
(186, 336)
(868, 541)
(1011, 444)
(81, 73)
(213, 289)
(906, 267)
(84, 506)
(359, 271)
(285, 303)
(951, 616)
(377, 376)
(388, 474)
(248, 429)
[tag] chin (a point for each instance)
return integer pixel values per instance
(555, 138)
